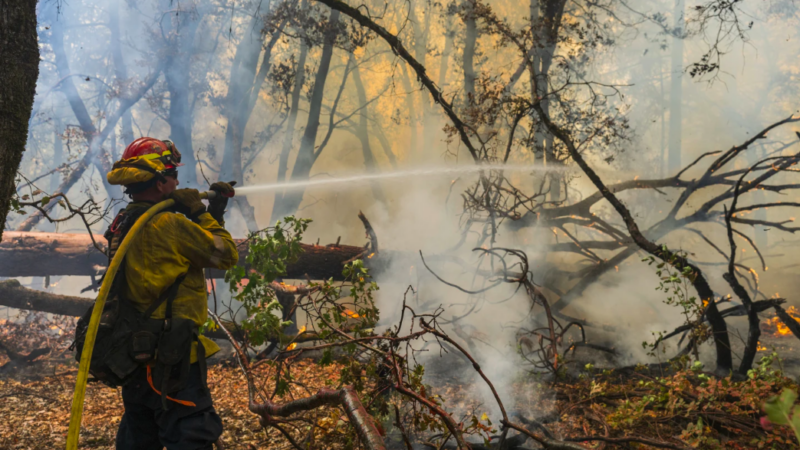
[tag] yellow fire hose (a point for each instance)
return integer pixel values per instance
(94, 322)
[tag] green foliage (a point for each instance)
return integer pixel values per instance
(208, 325)
(269, 254)
(698, 435)
(694, 401)
(350, 303)
(764, 370)
(781, 410)
(677, 285)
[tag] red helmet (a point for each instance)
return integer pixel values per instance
(151, 148)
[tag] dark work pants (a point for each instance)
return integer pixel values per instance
(146, 426)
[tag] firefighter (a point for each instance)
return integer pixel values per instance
(171, 251)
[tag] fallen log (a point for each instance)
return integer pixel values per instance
(31, 254)
(14, 295)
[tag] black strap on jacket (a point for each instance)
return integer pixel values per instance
(168, 296)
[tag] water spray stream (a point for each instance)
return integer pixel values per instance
(459, 170)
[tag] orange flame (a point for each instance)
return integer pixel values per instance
(349, 313)
(775, 325)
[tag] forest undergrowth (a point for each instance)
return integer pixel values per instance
(646, 406)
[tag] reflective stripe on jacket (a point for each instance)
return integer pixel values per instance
(169, 246)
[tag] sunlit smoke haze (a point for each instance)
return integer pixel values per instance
(405, 170)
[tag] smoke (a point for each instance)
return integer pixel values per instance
(758, 85)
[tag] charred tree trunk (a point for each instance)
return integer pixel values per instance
(307, 154)
(42, 254)
(19, 53)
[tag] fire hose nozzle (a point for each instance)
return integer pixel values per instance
(211, 195)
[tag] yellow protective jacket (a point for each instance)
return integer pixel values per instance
(168, 246)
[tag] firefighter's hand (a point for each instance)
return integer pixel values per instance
(216, 206)
(223, 188)
(188, 202)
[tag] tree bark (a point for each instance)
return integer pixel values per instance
(14, 295)
(346, 398)
(19, 53)
(40, 254)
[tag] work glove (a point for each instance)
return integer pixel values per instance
(216, 206)
(188, 203)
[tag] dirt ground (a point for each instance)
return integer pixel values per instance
(36, 413)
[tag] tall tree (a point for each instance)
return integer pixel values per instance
(246, 82)
(180, 29)
(19, 54)
(297, 89)
(94, 137)
(362, 130)
(308, 153)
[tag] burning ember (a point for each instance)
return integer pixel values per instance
(776, 327)
(349, 313)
